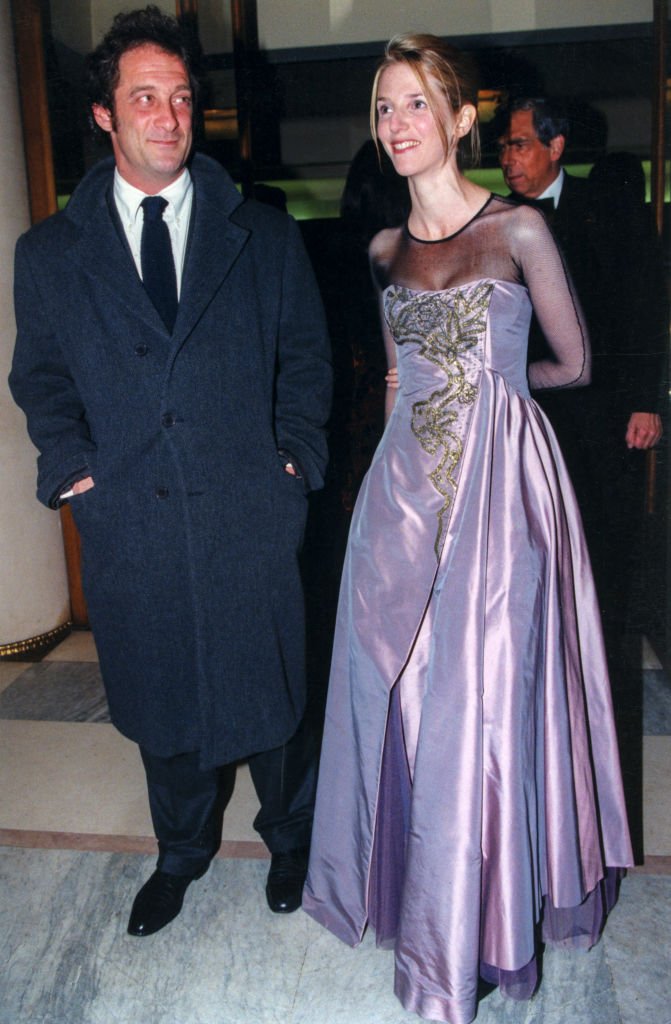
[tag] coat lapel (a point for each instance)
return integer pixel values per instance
(215, 243)
(213, 246)
(102, 253)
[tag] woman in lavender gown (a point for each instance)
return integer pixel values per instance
(470, 801)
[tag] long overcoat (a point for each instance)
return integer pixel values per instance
(191, 533)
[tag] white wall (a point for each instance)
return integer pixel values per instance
(567, 13)
(285, 24)
(291, 23)
(80, 24)
(33, 588)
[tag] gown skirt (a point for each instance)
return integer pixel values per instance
(470, 801)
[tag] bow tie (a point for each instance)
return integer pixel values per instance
(546, 205)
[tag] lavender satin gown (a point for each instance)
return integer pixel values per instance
(470, 800)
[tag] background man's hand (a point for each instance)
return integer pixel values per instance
(643, 430)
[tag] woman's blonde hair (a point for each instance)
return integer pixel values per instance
(453, 72)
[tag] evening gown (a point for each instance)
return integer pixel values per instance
(470, 801)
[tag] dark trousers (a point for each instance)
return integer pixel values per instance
(187, 804)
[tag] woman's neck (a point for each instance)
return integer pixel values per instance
(442, 203)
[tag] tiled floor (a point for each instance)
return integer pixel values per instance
(76, 843)
(54, 725)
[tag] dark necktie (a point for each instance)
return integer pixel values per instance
(158, 267)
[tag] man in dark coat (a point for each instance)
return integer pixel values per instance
(186, 442)
(603, 430)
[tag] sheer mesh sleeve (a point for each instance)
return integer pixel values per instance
(555, 304)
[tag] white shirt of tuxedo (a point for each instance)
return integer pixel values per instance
(177, 214)
(553, 191)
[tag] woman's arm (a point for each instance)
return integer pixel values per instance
(555, 304)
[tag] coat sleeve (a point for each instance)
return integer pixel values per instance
(41, 384)
(304, 379)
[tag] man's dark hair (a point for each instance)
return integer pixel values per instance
(548, 116)
(148, 26)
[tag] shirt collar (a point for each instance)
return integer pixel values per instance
(553, 191)
(128, 198)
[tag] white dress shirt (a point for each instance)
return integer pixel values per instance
(553, 191)
(177, 214)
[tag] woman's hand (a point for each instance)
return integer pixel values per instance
(392, 377)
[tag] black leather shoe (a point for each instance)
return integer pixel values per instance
(284, 888)
(159, 901)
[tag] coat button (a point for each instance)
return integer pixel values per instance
(168, 419)
(141, 350)
(162, 492)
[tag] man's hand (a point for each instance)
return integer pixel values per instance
(83, 485)
(643, 430)
(78, 488)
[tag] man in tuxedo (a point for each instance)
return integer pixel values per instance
(603, 430)
(173, 365)
(532, 139)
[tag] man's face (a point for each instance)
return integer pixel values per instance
(151, 126)
(528, 166)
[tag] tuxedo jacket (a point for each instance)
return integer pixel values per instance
(619, 280)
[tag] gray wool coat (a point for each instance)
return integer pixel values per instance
(191, 534)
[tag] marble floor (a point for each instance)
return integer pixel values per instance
(76, 843)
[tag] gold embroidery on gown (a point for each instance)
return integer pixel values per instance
(447, 324)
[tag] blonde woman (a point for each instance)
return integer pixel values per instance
(470, 801)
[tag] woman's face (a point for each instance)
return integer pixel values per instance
(406, 126)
